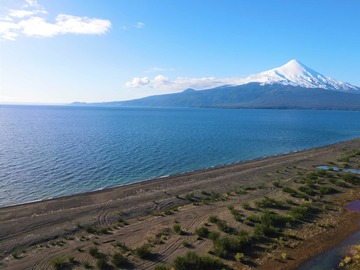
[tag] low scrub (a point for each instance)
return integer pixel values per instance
(202, 232)
(193, 261)
(143, 251)
(119, 260)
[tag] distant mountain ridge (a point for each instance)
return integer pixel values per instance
(292, 86)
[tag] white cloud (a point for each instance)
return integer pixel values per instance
(21, 13)
(180, 83)
(31, 3)
(8, 30)
(30, 25)
(139, 25)
(82, 25)
(138, 82)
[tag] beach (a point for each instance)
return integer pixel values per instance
(40, 232)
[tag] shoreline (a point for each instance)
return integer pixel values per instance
(170, 176)
(31, 226)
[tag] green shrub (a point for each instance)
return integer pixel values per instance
(327, 190)
(301, 212)
(223, 226)
(267, 202)
(213, 235)
(94, 251)
(143, 251)
(202, 232)
(190, 197)
(350, 178)
(291, 191)
(96, 229)
(193, 261)
(239, 256)
(86, 264)
(246, 206)
(307, 190)
(59, 263)
(224, 247)
(160, 267)
(177, 228)
(254, 218)
(214, 219)
(276, 184)
(119, 260)
(101, 263)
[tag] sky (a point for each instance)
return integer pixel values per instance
(57, 52)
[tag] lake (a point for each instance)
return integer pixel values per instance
(52, 151)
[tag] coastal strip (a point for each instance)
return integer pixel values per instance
(135, 213)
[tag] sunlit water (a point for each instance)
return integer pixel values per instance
(49, 151)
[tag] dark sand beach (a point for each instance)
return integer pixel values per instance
(33, 235)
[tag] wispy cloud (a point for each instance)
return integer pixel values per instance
(21, 13)
(162, 82)
(139, 25)
(31, 3)
(29, 22)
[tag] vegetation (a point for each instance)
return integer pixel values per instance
(143, 251)
(230, 245)
(202, 232)
(193, 261)
(96, 229)
(101, 263)
(267, 202)
(302, 211)
(59, 263)
(119, 260)
(177, 228)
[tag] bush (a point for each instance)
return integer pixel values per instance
(230, 245)
(327, 190)
(277, 184)
(301, 212)
(267, 202)
(177, 228)
(96, 230)
(239, 256)
(223, 226)
(246, 206)
(213, 235)
(101, 263)
(202, 232)
(59, 263)
(143, 251)
(93, 251)
(291, 191)
(119, 260)
(193, 261)
(189, 197)
(307, 190)
(214, 219)
(254, 218)
(160, 267)
(86, 264)
(350, 178)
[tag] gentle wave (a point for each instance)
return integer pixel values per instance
(50, 151)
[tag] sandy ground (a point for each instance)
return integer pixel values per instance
(33, 235)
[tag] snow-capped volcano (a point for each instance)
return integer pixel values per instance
(296, 74)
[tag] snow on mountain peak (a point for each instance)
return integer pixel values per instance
(296, 74)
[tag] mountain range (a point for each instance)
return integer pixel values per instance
(291, 86)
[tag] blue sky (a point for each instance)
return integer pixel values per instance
(95, 50)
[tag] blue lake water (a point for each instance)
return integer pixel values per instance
(51, 151)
